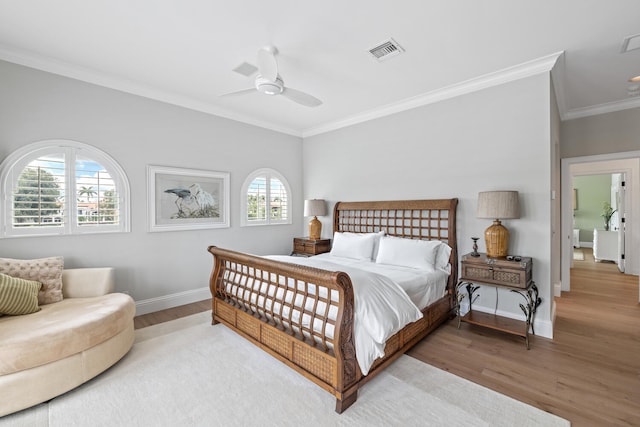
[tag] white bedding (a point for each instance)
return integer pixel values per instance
(385, 298)
(422, 286)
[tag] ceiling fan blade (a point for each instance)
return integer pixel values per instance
(239, 92)
(267, 64)
(301, 97)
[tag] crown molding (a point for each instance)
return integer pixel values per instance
(553, 62)
(558, 78)
(517, 72)
(51, 65)
(609, 107)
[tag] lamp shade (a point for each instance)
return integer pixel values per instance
(498, 205)
(315, 207)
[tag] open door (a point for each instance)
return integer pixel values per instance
(620, 199)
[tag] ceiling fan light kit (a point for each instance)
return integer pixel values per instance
(269, 87)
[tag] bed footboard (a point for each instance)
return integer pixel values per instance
(303, 316)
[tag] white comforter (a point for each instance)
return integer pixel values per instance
(422, 286)
(382, 307)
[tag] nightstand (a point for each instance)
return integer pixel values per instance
(513, 273)
(308, 247)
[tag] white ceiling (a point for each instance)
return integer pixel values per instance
(183, 51)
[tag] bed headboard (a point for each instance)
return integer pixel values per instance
(413, 219)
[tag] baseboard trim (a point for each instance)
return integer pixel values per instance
(173, 300)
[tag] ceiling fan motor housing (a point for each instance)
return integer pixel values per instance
(269, 87)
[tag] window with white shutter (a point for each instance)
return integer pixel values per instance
(62, 187)
(266, 199)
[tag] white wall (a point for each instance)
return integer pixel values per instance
(157, 269)
(497, 138)
(602, 134)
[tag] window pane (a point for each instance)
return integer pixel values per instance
(38, 198)
(96, 194)
(257, 199)
(278, 200)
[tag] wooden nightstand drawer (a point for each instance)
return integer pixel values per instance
(497, 271)
(305, 246)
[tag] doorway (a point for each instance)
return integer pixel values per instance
(627, 163)
(599, 216)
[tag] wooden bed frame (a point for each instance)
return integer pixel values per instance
(322, 348)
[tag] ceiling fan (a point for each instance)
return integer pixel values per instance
(269, 82)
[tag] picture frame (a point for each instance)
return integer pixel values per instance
(186, 199)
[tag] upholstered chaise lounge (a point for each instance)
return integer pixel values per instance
(65, 343)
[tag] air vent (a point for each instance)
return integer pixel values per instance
(630, 43)
(386, 50)
(245, 69)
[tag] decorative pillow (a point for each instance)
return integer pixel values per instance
(353, 245)
(47, 271)
(411, 253)
(18, 296)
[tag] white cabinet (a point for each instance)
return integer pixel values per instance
(605, 245)
(576, 237)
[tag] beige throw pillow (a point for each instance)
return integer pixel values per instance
(18, 296)
(47, 271)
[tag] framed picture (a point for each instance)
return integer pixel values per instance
(187, 199)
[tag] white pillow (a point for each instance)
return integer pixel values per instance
(376, 243)
(411, 253)
(353, 245)
(442, 258)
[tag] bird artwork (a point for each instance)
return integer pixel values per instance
(194, 202)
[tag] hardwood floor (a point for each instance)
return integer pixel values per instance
(171, 314)
(589, 373)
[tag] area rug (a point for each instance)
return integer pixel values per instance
(578, 255)
(190, 373)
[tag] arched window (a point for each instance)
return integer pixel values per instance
(266, 199)
(62, 187)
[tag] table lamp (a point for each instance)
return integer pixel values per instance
(498, 205)
(315, 208)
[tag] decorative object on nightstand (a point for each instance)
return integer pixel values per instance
(308, 247)
(475, 247)
(315, 208)
(498, 205)
(514, 273)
